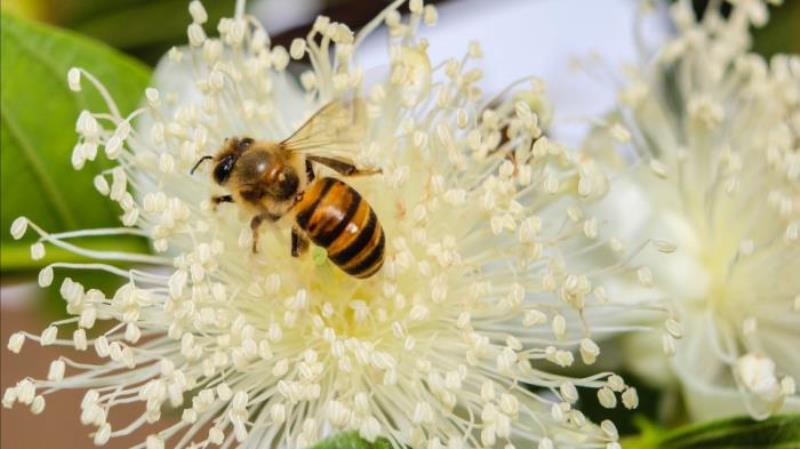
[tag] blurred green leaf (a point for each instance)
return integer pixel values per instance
(131, 26)
(650, 435)
(144, 28)
(351, 440)
(38, 131)
(778, 432)
(782, 33)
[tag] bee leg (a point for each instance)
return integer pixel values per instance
(216, 200)
(309, 171)
(299, 243)
(344, 168)
(255, 224)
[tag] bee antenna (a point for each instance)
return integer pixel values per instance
(202, 159)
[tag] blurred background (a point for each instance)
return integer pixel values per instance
(519, 37)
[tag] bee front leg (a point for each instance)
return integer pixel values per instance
(299, 242)
(216, 200)
(255, 224)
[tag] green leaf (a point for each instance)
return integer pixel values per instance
(351, 440)
(38, 114)
(113, 26)
(781, 34)
(778, 432)
(124, 24)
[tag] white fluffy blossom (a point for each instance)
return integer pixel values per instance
(452, 344)
(712, 168)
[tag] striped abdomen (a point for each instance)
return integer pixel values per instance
(334, 216)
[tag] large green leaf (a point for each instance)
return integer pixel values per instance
(38, 130)
(778, 432)
(351, 440)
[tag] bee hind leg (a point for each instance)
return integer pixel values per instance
(299, 243)
(255, 224)
(309, 171)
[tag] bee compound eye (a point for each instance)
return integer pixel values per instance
(223, 169)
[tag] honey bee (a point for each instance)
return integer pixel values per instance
(276, 179)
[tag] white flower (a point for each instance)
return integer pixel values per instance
(451, 344)
(714, 169)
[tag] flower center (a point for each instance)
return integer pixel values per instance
(716, 259)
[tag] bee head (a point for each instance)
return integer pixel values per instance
(226, 158)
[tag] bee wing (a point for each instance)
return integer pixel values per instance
(338, 127)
